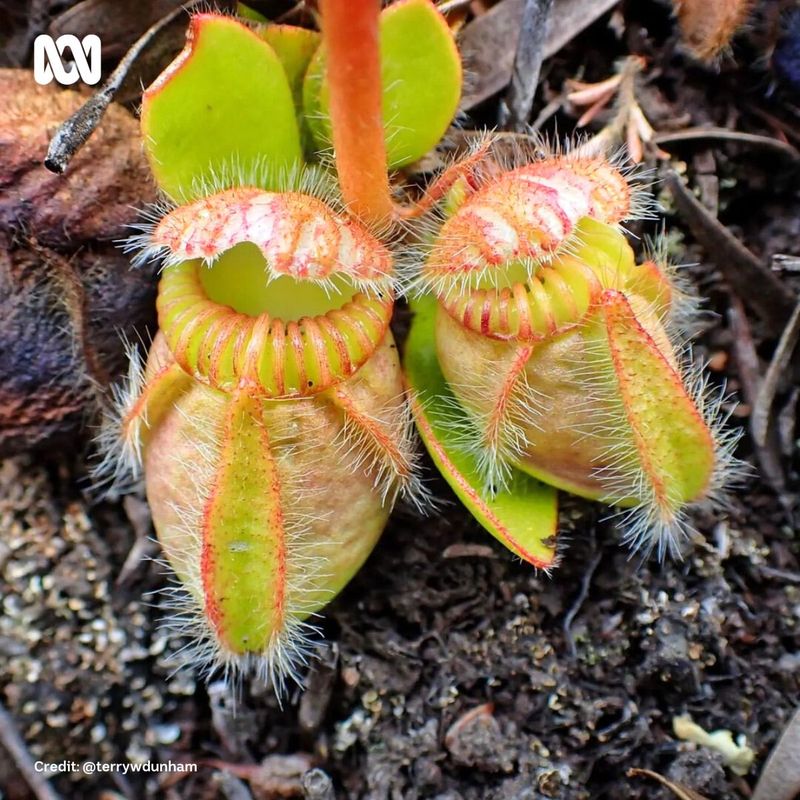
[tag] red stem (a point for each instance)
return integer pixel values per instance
(350, 31)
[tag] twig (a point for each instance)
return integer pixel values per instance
(759, 419)
(516, 110)
(586, 582)
(300, 13)
(783, 127)
(143, 547)
(553, 107)
(747, 364)
(16, 748)
(628, 124)
(289, 14)
(748, 277)
(74, 133)
(744, 351)
(692, 134)
(680, 791)
(447, 6)
(780, 575)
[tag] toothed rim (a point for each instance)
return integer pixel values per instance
(228, 350)
(544, 305)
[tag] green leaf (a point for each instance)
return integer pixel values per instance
(245, 12)
(224, 100)
(294, 47)
(525, 516)
(421, 78)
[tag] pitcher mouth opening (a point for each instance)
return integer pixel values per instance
(239, 279)
(231, 327)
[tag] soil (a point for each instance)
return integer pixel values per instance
(452, 670)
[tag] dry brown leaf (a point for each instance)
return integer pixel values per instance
(66, 291)
(117, 24)
(780, 778)
(489, 43)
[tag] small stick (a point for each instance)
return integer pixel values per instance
(744, 351)
(287, 16)
(586, 582)
(780, 575)
(447, 6)
(758, 286)
(74, 132)
(692, 134)
(516, 110)
(608, 139)
(759, 419)
(16, 748)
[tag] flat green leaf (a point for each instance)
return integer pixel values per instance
(421, 78)
(224, 100)
(525, 516)
(245, 12)
(294, 47)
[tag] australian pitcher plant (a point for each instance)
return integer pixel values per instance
(557, 355)
(272, 422)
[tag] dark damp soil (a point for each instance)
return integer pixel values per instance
(451, 669)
